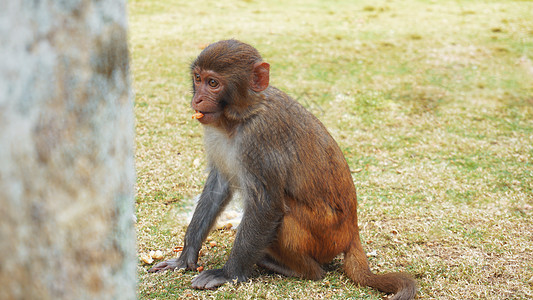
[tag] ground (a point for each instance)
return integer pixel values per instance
(430, 101)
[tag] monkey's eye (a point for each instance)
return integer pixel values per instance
(197, 77)
(212, 83)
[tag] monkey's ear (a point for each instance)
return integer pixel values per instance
(260, 77)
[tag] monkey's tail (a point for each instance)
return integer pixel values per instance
(356, 267)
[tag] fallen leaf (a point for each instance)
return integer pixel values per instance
(157, 254)
(146, 258)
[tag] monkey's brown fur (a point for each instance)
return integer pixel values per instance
(300, 200)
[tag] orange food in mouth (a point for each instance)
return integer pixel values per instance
(198, 115)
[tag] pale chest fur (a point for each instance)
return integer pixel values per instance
(222, 153)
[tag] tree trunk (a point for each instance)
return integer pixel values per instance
(66, 151)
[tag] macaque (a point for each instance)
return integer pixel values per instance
(300, 204)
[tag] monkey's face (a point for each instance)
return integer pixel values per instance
(208, 89)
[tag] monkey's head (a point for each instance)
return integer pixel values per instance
(227, 78)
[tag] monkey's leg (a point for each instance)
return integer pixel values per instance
(256, 232)
(271, 264)
(214, 198)
(289, 253)
(291, 263)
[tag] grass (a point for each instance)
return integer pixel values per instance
(431, 102)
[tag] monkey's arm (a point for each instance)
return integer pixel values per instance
(257, 230)
(215, 195)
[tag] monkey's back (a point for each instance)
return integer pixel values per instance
(317, 186)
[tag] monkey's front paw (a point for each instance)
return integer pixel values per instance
(210, 279)
(171, 264)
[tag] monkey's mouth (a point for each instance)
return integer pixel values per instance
(205, 117)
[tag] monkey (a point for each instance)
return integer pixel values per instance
(300, 202)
